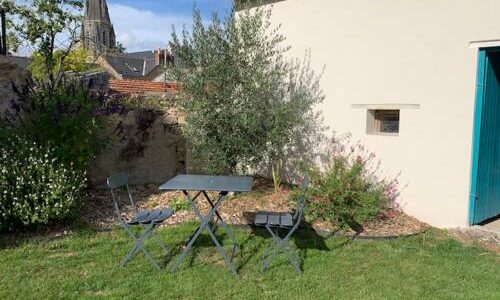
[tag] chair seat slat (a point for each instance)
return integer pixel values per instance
(165, 214)
(139, 217)
(273, 219)
(286, 220)
(261, 218)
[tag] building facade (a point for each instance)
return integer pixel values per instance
(98, 34)
(417, 81)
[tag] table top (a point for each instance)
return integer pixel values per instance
(208, 183)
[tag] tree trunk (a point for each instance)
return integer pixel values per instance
(3, 34)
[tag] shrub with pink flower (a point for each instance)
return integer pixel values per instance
(347, 187)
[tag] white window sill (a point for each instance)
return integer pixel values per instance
(383, 134)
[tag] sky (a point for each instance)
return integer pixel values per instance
(147, 24)
(142, 25)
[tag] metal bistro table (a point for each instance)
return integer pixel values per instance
(203, 184)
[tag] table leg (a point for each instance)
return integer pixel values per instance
(226, 228)
(204, 225)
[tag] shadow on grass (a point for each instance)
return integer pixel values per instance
(303, 240)
(45, 233)
(253, 243)
(204, 242)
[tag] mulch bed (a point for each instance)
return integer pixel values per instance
(98, 212)
(398, 224)
(237, 210)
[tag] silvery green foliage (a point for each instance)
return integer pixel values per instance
(247, 105)
(34, 186)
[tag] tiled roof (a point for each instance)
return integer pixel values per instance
(140, 86)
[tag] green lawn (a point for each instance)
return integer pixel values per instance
(85, 265)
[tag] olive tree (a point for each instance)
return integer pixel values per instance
(248, 107)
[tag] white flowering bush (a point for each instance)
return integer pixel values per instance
(35, 186)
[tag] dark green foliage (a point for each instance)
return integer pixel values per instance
(45, 152)
(65, 120)
(346, 190)
(120, 48)
(247, 105)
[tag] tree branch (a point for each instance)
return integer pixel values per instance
(3, 35)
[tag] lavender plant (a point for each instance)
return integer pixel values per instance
(64, 117)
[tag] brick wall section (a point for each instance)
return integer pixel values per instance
(140, 86)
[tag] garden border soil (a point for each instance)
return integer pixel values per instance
(333, 234)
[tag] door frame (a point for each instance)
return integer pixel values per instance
(478, 113)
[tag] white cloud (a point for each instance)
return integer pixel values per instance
(140, 30)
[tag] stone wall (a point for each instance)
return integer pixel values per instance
(146, 144)
(12, 79)
(97, 81)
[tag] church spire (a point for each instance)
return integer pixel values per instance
(97, 10)
(97, 32)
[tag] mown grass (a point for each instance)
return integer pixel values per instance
(85, 265)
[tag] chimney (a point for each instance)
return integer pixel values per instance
(158, 59)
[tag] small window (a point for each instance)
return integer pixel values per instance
(104, 37)
(382, 121)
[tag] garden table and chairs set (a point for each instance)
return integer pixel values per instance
(200, 186)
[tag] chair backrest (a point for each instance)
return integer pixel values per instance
(117, 181)
(300, 203)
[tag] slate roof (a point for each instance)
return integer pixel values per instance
(246, 4)
(133, 65)
(141, 54)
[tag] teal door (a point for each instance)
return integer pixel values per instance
(485, 187)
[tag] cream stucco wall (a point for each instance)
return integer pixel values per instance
(402, 52)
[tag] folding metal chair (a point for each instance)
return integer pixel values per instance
(147, 219)
(287, 224)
